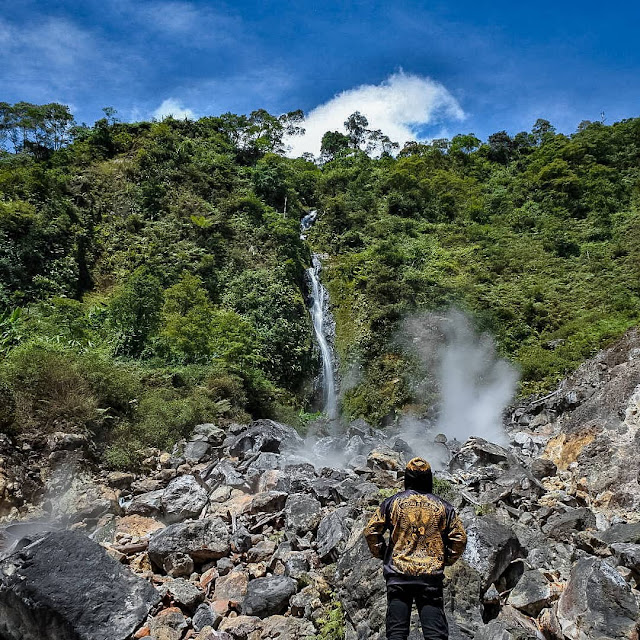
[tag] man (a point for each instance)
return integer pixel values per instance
(425, 536)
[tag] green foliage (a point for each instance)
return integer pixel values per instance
(159, 270)
(444, 489)
(134, 312)
(331, 624)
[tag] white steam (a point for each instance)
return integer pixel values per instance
(397, 107)
(474, 384)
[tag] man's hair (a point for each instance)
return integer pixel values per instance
(418, 476)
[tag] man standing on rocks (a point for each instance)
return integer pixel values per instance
(425, 535)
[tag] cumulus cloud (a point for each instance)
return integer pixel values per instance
(399, 106)
(172, 107)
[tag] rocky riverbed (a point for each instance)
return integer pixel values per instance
(250, 531)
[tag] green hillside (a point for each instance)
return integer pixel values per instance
(152, 274)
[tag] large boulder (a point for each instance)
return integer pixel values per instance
(64, 586)
(302, 513)
(183, 498)
(532, 593)
(202, 540)
(268, 596)
(332, 535)
(491, 547)
(264, 435)
(597, 603)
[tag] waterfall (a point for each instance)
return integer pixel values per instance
(319, 314)
(322, 321)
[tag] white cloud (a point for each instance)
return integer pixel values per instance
(397, 106)
(172, 107)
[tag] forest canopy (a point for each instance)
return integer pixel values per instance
(152, 273)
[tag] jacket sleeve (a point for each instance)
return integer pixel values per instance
(374, 530)
(455, 539)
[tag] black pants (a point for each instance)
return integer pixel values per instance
(430, 609)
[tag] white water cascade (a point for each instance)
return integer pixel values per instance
(319, 298)
(319, 311)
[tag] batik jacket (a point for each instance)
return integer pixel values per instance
(425, 535)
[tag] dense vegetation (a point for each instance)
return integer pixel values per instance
(152, 274)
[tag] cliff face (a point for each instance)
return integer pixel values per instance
(242, 537)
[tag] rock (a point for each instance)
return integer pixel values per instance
(268, 596)
(65, 587)
(169, 624)
(597, 603)
(285, 628)
(183, 498)
(225, 474)
(230, 590)
(202, 540)
(491, 547)
(204, 616)
(562, 526)
(532, 593)
(332, 534)
(147, 504)
(210, 432)
(628, 555)
(120, 479)
(543, 468)
(242, 627)
(262, 551)
(302, 513)
(478, 452)
(268, 502)
(196, 450)
(184, 593)
(296, 565)
(209, 634)
(621, 533)
(178, 564)
(265, 435)
(383, 457)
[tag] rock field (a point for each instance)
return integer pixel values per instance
(244, 533)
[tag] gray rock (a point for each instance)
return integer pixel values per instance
(621, 533)
(225, 474)
(214, 435)
(178, 565)
(491, 547)
(597, 603)
(302, 513)
(264, 435)
(268, 596)
(531, 594)
(147, 504)
(628, 555)
(184, 593)
(203, 540)
(204, 616)
(262, 551)
(332, 535)
(183, 498)
(562, 526)
(66, 587)
(196, 450)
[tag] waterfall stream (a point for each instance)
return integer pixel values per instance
(321, 319)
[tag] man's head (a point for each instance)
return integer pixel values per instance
(418, 476)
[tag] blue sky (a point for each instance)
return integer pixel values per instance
(484, 66)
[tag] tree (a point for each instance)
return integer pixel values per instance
(356, 125)
(333, 142)
(185, 334)
(135, 312)
(542, 130)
